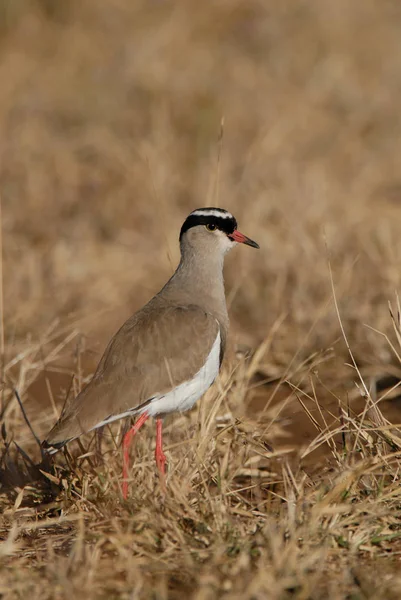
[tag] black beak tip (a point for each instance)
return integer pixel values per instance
(252, 244)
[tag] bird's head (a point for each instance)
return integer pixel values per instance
(212, 230)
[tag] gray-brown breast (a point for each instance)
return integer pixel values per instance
(158, 348)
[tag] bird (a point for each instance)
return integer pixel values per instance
(167, 354)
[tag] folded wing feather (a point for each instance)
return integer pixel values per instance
(157, 349)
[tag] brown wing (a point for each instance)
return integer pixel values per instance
(154, 351)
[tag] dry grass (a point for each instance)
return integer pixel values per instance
(284, 482)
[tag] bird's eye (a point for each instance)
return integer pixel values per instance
(211, 227)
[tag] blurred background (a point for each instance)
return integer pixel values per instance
(118, 118)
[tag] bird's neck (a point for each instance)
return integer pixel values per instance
(199, 280)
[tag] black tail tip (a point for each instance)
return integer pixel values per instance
(51, 448)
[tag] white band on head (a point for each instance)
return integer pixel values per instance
(211, 212)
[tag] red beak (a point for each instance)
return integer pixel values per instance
(239, 237)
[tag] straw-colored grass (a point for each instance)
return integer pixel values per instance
(116, 119)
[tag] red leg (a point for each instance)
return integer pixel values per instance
(126, 444)
(159, 454)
